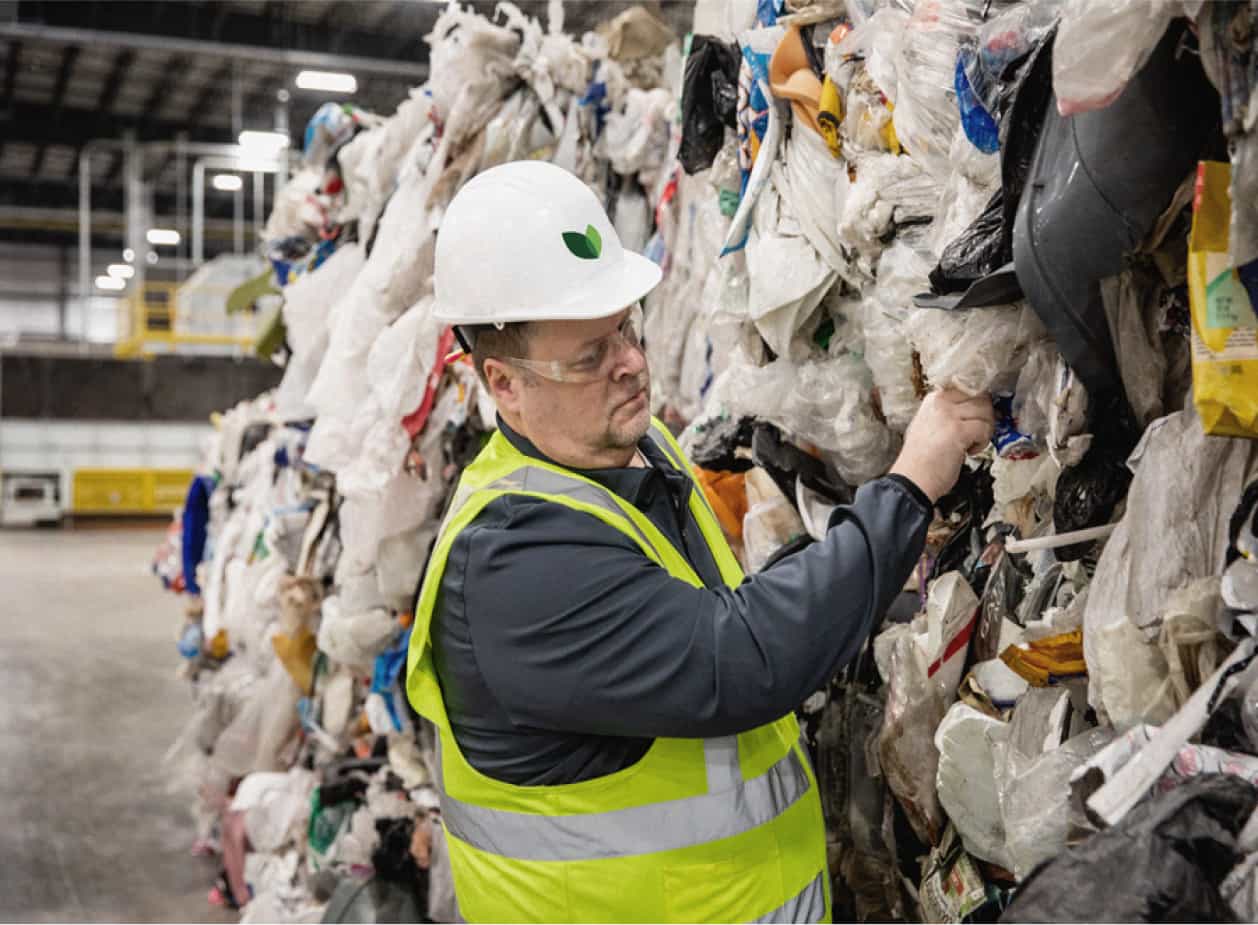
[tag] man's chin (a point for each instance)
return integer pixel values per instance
(628, 429)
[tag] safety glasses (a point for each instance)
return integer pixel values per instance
(596, 360)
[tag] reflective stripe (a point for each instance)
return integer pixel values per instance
(667, 449)
(644, 829)
(720, 757)
(543, 481)
(809, 905)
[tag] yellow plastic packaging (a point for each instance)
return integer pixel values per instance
(1224, 325)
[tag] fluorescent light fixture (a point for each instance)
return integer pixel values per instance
(162, 236)
(128, 255)
(262, 144)
(110, 282)
(327, 81)
(121, 270)
(227, 182)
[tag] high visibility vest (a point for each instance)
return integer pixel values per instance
(725, 829)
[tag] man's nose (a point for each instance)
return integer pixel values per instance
(630, 359)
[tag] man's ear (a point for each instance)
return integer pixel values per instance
(504, 385)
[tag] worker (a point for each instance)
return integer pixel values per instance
(613, 698)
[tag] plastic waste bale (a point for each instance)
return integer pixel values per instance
(293, 214)
(926, 116)
(966, 741)
(393, 278)
(1100, 46)
(1175, 531)
(976, 350)
(814, 184)
(890, 197)
(1165, 861)
(1132, 306)
(275, 805)
(822, 401)
(788, 277)
(921, 664)
(471, 63)
(889, 353)
(770, 523)
(355, 638)
(709, 100)
(636, 137)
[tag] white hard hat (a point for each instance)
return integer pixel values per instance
(528, 241)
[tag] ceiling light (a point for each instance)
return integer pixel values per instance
(328, 81)
(151, 258)
(227, 182)
(262, 144)
(110, 282)
(121, 270)
(128, 255)
(162, 236)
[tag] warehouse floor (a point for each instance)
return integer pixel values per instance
(88, 829)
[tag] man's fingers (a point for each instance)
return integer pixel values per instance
(975, 435)
(977, 409)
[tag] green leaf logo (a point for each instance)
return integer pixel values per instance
(587, 246)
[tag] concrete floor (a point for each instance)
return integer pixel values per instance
(88, 829)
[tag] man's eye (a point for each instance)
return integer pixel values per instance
(593, 358)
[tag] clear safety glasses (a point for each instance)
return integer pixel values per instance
(596, 360)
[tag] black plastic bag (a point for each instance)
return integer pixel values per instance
(1162, 863)
(709, 100)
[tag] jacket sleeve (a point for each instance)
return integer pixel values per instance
(575, 630)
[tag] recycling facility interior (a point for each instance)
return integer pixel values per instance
(217, 298)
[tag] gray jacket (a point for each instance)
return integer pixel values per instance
(562, 651)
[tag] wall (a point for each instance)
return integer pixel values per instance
(34, 282)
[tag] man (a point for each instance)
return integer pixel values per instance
(613, 699)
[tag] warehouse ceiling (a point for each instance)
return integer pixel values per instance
(71, 72)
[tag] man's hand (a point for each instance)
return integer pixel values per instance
(949, 426)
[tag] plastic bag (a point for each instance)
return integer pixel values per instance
(966, 740)
(1175, 530)
(788, 277)
(355, 639)
(262, 729)
(814, 185)
(976, 351)
(888, 351)
(824, 402)
(906, 746)
(770, 523)
(926, 116)
(1101, 45)
(1163, 862)
(709, 100)
(1224, 324)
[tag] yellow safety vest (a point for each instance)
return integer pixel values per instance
(723, 829)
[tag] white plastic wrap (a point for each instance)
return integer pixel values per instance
(887, 189)
(967, 740)
(771, 521)
(1101, 45)
(814, 184)
(825, 402)
(636, 138)
(788, 277)
(976, 351)
(1133, 312)
(355, 638)
(1174, 531)
(926, 115)
(902, 272)
(276, 807)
